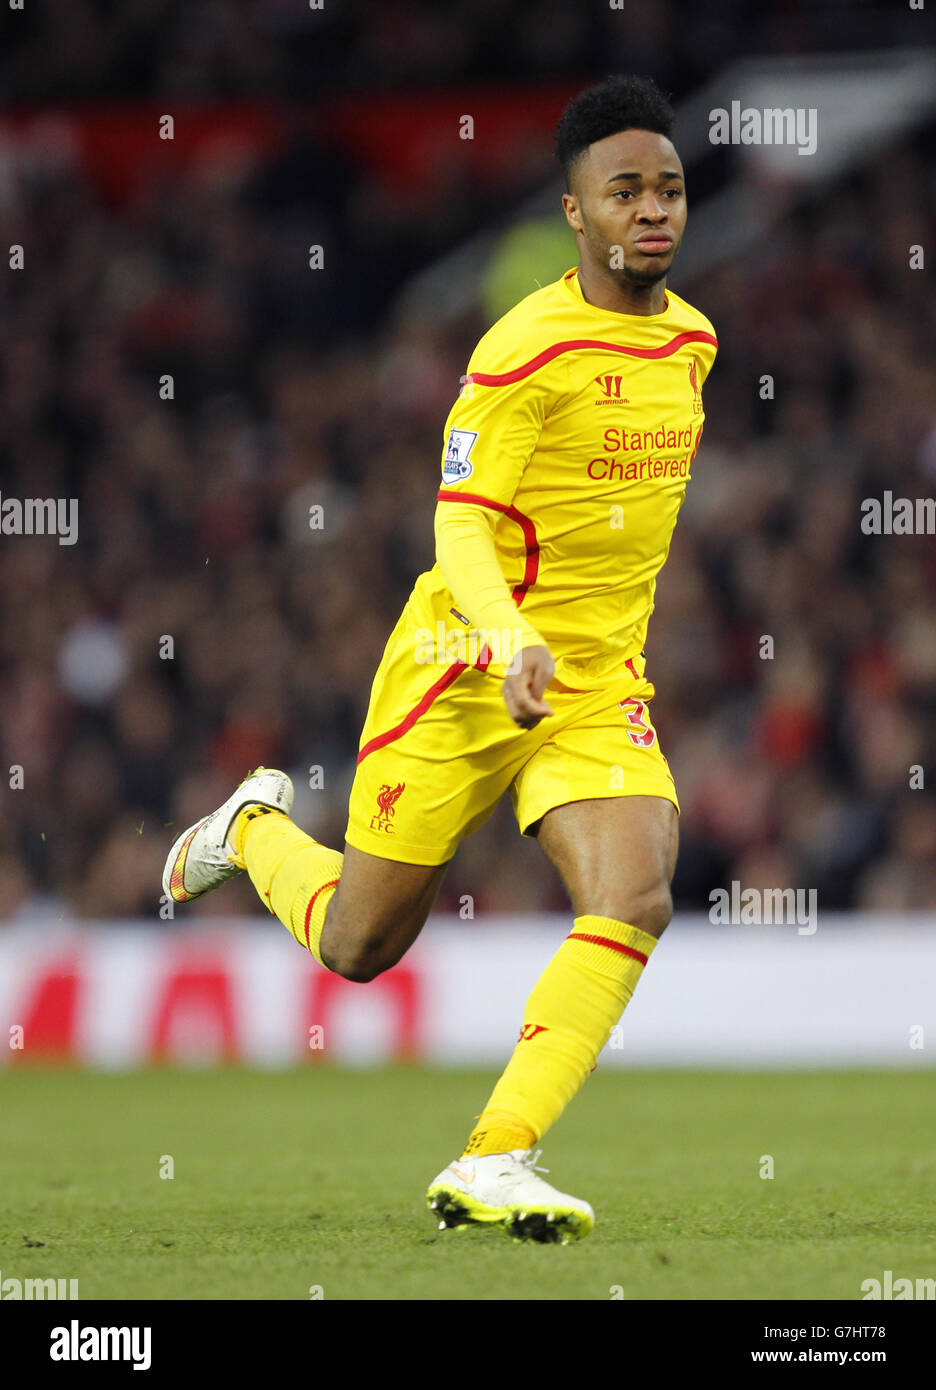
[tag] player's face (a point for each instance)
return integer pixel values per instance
(627, 205)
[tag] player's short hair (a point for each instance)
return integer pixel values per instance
(619, 103)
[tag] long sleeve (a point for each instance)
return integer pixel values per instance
(465, 551)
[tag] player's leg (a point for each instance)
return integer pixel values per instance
(356, 912)
(436, 753)
(600, 798)
(616, 858)
(379, 908)
(372, 921)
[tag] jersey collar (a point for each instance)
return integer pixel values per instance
(571, 282)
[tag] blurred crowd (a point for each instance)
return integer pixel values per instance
(201, 625)
(301, 48)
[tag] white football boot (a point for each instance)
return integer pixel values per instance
(504, 1190)
(202, 858)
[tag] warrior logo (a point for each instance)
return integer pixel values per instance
(530, 1030)
(697, 390)
(387, 798)
(611, 391)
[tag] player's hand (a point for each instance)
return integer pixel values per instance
(523, 691)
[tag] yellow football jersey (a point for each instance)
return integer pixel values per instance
(576, 428)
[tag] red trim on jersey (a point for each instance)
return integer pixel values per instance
(308, 917)
(530, 571)
(612, 945)
(531, 564)
(696, 335)
(434, 691)
(632, 668)
(444, 681)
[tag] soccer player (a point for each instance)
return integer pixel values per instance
(566, 460)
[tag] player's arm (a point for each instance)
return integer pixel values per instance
(465, 551)
(491, 433)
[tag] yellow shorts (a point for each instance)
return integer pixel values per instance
(438, 750)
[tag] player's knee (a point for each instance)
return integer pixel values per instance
(360, 961)
(363, 955)
(359, 966)
(653, 911)
(649, 910)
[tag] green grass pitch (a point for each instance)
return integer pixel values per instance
(285, 1181)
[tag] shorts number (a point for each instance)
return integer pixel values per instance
(635, 711)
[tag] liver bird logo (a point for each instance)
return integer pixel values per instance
(694, 383)
(387, 798)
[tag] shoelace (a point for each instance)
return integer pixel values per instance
(529, 1161)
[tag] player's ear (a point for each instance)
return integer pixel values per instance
(571, 209)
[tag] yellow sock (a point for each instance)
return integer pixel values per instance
(568, 1019)
(294, 875)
